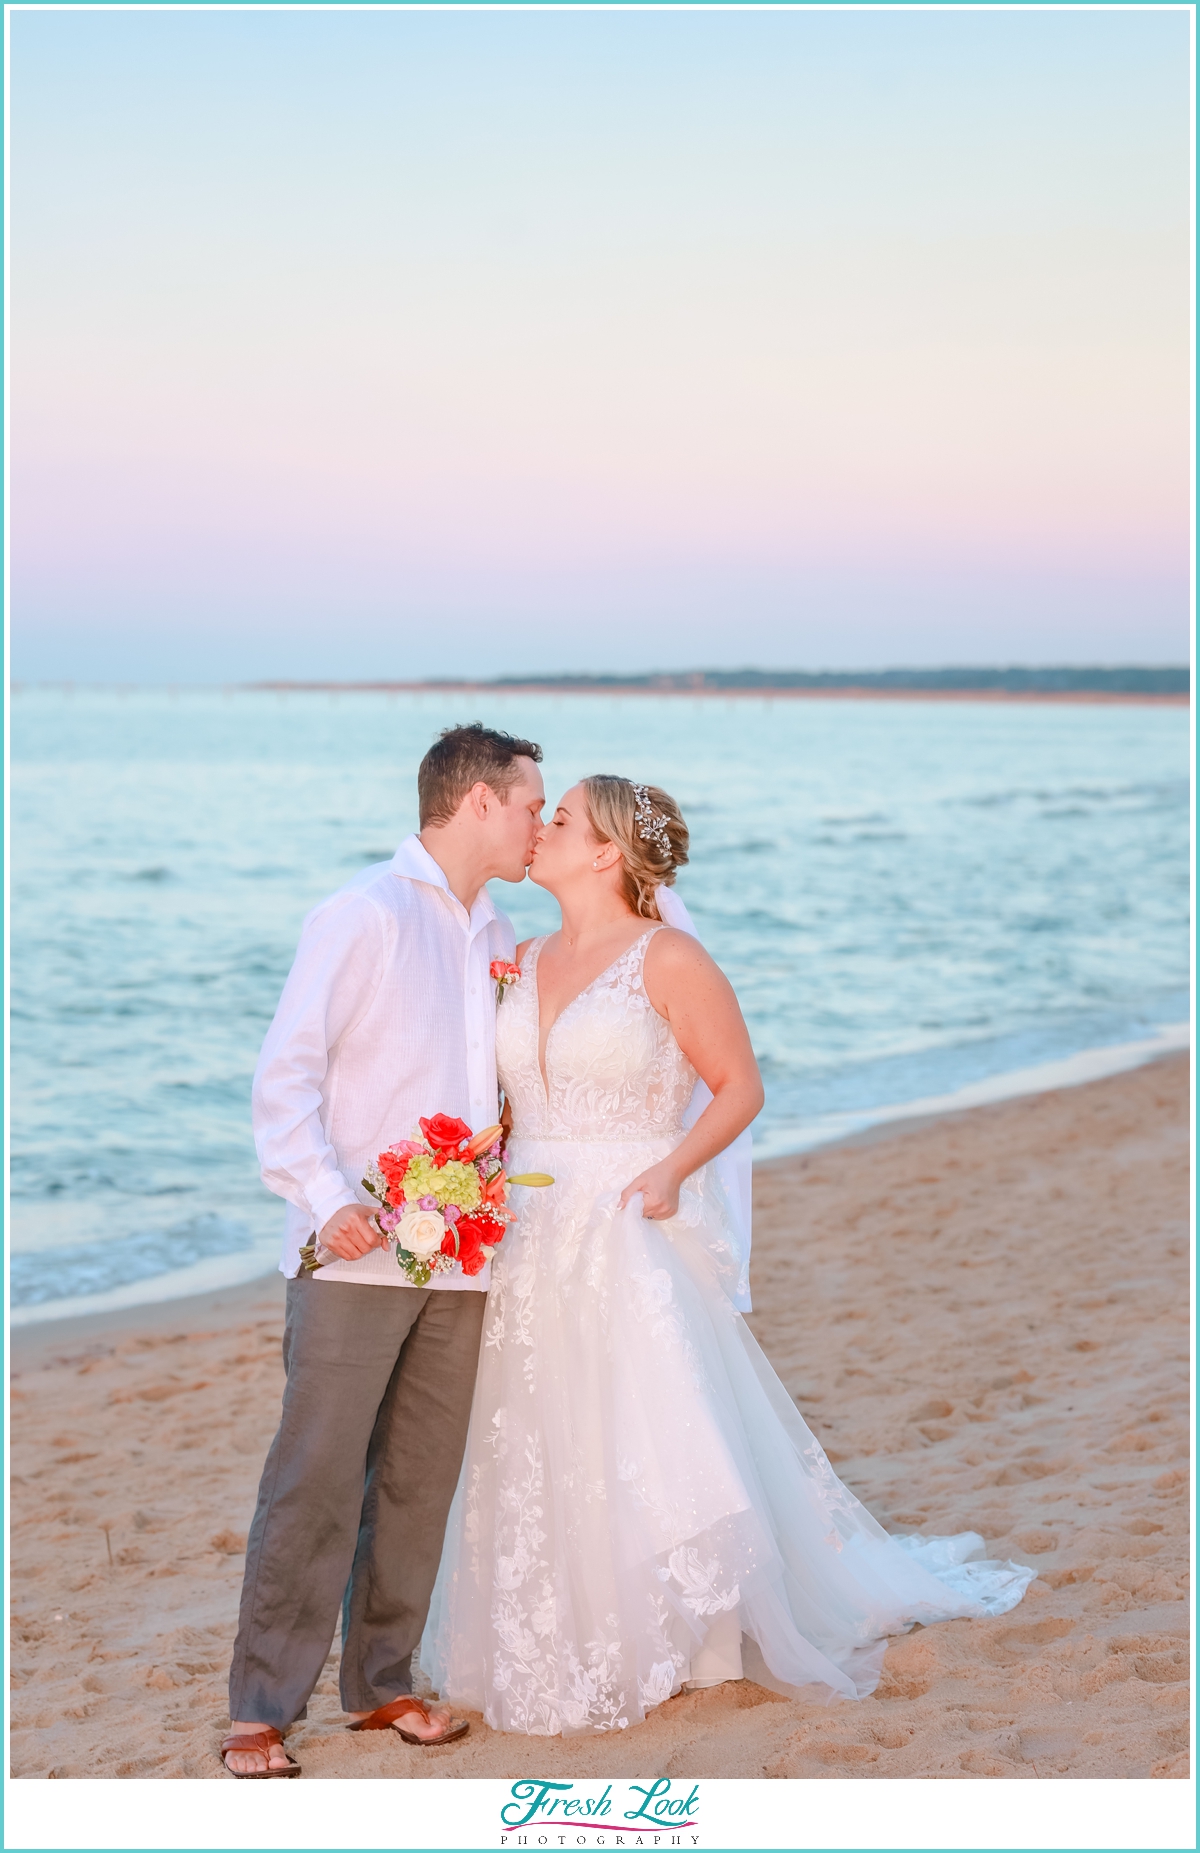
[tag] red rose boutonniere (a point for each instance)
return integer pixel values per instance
(505, 973)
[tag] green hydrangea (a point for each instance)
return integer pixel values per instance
(453, 1183)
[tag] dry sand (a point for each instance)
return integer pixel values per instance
(985, 1319)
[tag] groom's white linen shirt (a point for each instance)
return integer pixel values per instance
(388, 1016)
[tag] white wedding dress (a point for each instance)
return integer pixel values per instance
(640, 1501)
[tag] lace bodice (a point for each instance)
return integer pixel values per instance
(614, 1070)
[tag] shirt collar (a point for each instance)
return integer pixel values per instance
(413, 862)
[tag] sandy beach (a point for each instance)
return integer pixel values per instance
(985, 1320)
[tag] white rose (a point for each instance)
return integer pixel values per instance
(421, 1232)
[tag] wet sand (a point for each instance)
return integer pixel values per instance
(985, 1320)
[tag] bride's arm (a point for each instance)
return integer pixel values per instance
(691, 991)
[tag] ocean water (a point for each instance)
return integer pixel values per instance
(911, 898)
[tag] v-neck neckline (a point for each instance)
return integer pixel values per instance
(543, 1044)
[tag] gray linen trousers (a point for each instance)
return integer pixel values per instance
(355, 1493)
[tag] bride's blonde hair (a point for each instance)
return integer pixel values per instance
(645, 823)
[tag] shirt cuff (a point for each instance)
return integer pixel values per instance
(334, 1196)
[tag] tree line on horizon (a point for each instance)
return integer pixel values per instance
(1128, 680)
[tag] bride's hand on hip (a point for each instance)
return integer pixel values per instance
(659, 1187)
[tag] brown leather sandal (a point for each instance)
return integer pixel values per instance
(384, 1720)
(262, 1742)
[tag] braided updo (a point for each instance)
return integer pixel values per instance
(647, 861)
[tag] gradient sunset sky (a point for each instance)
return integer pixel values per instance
(383, 343)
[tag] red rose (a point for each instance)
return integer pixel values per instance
(394, 1169)
(473, 1232)
(445, 1134)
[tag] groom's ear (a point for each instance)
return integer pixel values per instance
(481, 800)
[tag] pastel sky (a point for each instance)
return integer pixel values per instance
(383, 343)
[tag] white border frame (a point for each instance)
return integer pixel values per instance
(463, 1814)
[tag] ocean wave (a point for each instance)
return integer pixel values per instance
(908, 899)
(98, 1266)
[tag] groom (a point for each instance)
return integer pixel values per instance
(387, 1016)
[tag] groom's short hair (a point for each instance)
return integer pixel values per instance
(465, 756)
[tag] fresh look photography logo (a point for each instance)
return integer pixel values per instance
(658, 1813)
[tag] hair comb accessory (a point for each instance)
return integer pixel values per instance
(651, 824)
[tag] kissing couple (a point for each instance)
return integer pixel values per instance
(571, 1479)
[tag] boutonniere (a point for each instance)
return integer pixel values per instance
(505, 973)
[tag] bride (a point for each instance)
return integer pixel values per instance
(641, 1507)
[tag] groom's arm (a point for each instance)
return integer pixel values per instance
(337, 970)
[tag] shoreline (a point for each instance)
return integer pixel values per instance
(834, 1130)
(1067, 1071)
(983, 1319)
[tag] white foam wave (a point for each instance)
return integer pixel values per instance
(1070, 1071)
(206, 1276)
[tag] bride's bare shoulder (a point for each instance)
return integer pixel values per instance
(523, 948)
(673, 951)
(680, 976)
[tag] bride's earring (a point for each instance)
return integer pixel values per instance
(596, 863)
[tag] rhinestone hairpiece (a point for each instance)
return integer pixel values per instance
(651, 824)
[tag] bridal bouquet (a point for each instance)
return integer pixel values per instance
(443, 1198)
